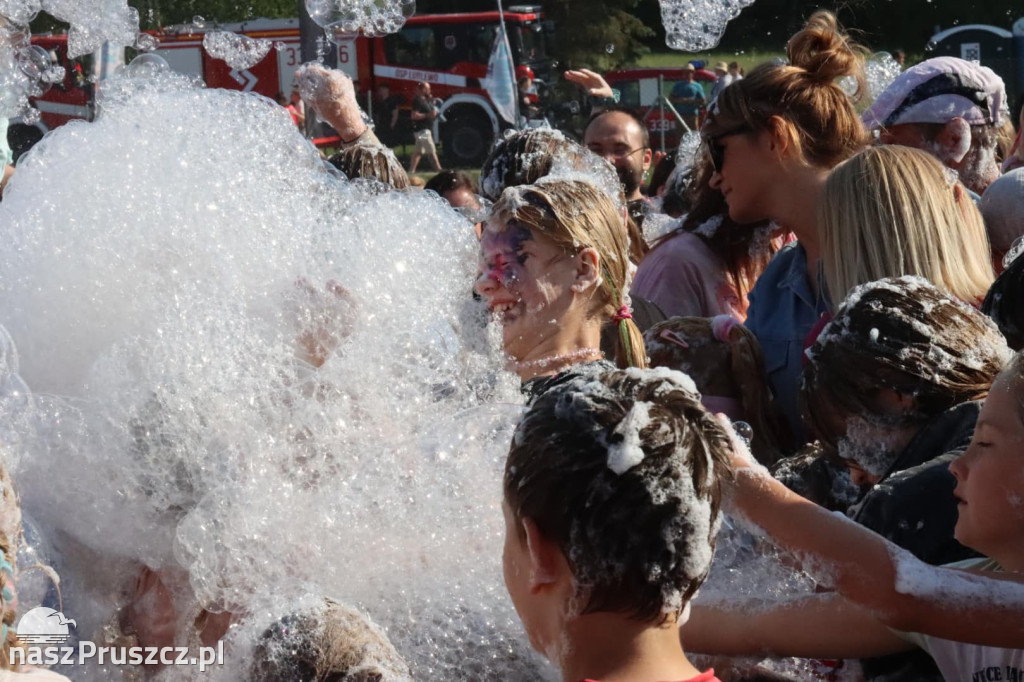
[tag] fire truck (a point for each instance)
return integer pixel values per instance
(449, 51)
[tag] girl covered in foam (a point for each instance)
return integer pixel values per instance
(554, 270)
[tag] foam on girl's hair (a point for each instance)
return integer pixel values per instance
(621, 469)
(905, 335)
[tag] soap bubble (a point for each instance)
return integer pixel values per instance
(94, 22)
(54, 75)
(33, 61)
(30, 115)
(146, 42)
(342, 19)
(19, 11)
(695, 25)
(198, 21)
(147, 66)
(609, 48)
(880, 70)
(239, 51)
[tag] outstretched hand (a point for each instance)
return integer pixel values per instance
(593, 82)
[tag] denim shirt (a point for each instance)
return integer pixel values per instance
(783, 309)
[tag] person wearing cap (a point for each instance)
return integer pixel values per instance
(949, 107)
(1002, 207)
(687, 97)
(724, 79)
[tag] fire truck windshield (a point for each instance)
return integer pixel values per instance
(531, 45)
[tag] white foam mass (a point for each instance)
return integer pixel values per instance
(169, 271)
(342, 19)
(27, 70)
(695, 25)
(238, 51)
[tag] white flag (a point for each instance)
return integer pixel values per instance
(499, 82)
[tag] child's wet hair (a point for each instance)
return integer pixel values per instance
(333, 643)
(622, 470)
(905, 335)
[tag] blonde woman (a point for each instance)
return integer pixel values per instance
(892, 211)
(554, 272)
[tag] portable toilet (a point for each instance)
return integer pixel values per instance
(997, 48)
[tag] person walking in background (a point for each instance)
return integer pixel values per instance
(424, 111)
(724, 79)
(688, 97)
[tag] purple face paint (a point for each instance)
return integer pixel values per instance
(502, 254)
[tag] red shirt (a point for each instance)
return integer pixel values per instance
(706, 676)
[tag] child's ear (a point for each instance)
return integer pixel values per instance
(588, 270)
(546, 558)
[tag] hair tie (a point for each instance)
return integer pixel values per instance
(622, 314)
(722, 326)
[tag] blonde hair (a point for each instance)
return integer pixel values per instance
(892, 211)
(10, 531)
(576, 215)
(332, 642)
(819, 115)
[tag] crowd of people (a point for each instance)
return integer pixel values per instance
(820, 329)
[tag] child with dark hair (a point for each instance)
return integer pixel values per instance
(892, 385)
(966, 616)
(612, 491)
(1004, 303)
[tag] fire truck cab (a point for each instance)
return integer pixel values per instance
(451, 52)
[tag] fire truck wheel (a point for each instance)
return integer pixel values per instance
(467, 137)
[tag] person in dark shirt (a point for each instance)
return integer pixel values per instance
(424, 111)
(385, 114)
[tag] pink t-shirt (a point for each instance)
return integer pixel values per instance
(685, 278)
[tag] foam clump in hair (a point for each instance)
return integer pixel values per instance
(629, 452)
(635, 460)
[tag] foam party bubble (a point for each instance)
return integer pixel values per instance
(267, 378)
(239, 51)
(695, 25)
(880, 70)
(343, 19)
(19, 11)
(21, 67)
(146, 42)
(94, 22)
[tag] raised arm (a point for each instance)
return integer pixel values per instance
(898, 589)
(332, 94)
(820, 626)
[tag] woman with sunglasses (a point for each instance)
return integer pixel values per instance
(772, 138)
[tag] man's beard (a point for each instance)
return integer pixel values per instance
(630, 178)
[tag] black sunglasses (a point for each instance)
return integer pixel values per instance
(716, 151)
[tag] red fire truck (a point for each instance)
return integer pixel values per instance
(449, 51)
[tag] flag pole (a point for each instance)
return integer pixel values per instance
(511, 62)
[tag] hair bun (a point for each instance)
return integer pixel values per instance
(825, 52)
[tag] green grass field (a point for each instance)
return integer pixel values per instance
(747, 60)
